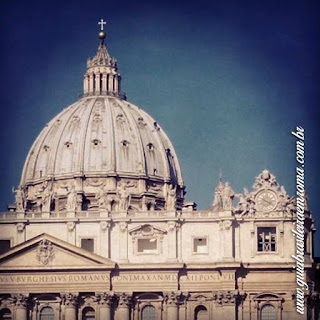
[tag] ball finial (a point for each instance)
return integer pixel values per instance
(102, 35)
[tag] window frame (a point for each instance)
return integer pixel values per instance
(46, 306)
(277, 238)
(267, 303)
(200, 237)
(148, 305)
(11, 243)
(94, 238)
(146, 238)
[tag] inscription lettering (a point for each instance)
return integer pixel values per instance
(80, 278)
(145, 278)
(206, 277)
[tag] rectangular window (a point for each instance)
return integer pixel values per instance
(267, 239)
(147, 245)
(87, 244)
(200, 245)
(4, 246)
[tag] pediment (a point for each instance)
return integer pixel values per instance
(147, 230)
(46, 252)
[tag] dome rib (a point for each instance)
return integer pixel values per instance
(160, 143)
(53, 163)
(84, 135)
(142, 160)
(113, 162)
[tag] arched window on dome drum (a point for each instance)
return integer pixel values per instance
(46, 313)
(149, 313)
(201, 313)
(88, 314)
(268, 312)
(5, 314)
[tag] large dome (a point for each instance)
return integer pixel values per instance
(102, 136)
(101, 145)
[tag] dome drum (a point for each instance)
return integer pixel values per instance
(110, 194)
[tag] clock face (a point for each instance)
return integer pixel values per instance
(266, 200)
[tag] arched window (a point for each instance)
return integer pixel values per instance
(149, 313)
(88, 314)
(5, 314)
(47, 313)
(268, 312)
(201, 313)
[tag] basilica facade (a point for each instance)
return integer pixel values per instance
(100, 228)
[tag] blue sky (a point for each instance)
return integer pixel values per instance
(227, 80)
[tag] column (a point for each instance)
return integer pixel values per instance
(70, 303)
(71, 234)
(116, 84)
(237, 241)
(110, 83)
(183, 306)
(104, 83)
(281, 241)
(97, 80)
(172, 306)
(104, 239)
(227, 238)
(123, 243)
(225, 304)
(172, 241)
(85, 83)
(91, 82)
(21, 306)
(21, 232)
(123, 310)
(119, 83)
(105, 302)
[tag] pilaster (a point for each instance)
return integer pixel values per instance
(171, 299)
(123, 241)
(21, 306)
(70, 301)
(123, 309)
(105, 239)
(172, 240)
(105, 304)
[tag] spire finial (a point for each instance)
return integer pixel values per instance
(102, 34)
(220, 175)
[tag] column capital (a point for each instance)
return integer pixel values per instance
(227, 297)
(104, 225)
(104, 298)
(20, 227)
(183, 297)
(69, 299)
(124, 300)
(123, 226)
(20, 300)
(172, 298)
(173, 225)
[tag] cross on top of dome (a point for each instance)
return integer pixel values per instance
(102, 23)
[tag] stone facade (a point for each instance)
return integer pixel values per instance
(100, 229)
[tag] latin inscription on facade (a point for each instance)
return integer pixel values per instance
(207, 277)
(145, 278)
(50, 278)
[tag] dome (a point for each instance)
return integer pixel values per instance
(101, 136)
(101, 145)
